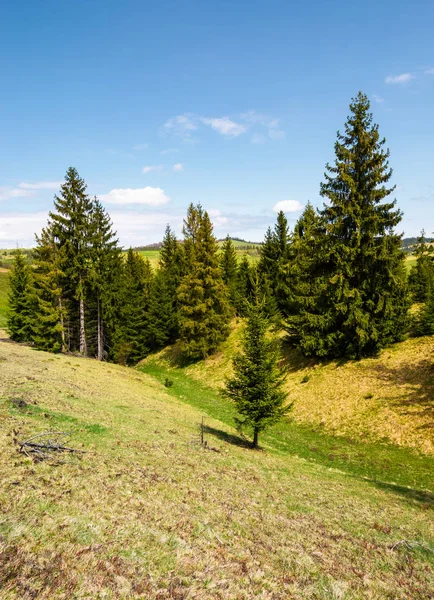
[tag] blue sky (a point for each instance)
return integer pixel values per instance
(232, 104)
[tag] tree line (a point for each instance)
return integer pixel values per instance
(336, 283)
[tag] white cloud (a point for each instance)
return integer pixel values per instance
(378, 99)
(276, 134)
(169, 151)
(429, 71)
(19, 229)
(141, 146)
(181, 126)
(41, 185)
(271, 123)
(217, 218)
(178, 167)
(150, 168)
(24, 190)
(148, 196)
(288, 206)
(225, 126)
(257, 138)
(399, 79)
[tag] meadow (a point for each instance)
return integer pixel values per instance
(148, 512)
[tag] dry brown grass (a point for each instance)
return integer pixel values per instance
(147, 513)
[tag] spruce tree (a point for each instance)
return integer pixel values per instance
(425, 318)
(71, 226)
(273, 265)
(421, 276)
(305, 273)
(131, 342)
(103, 285)
(228, 267)
(244, 289)
(21, 314)
(164, 295)
(50, 329)
(203, 307)
(362, 301)
(256, 386)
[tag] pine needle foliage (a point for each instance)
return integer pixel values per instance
(421, 277)
(202, 295)
(361, 300)
(256, 387)
(20, 318)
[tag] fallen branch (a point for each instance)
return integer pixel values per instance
(411, 545)
(51, 443)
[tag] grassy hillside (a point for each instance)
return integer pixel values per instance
(383, 399)
(148, 513)
(251, 250)
(4, 287)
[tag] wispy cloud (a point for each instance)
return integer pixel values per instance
(429, 71)
(150, 168)
(378, 99)
(288, 206)
(169, 151)
(401, 79)
(276, 134)
(41, 185)
(178, 167)
(140, 146)
(232, 127)
(24, 189)
(254, 118)
(147, 196)
(224, 126)
(181, 126)
(257, 138)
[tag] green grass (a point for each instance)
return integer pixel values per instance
(384, 464)
(147, 512)
(4, 288)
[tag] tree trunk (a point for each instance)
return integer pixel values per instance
(62, 325)
(255, 438)
(99, 334)
(83, 348)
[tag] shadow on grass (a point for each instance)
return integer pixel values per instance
(229, 438)
(421, 496)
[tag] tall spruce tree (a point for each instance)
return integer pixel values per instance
(273, 264)
(103, 288)
(203, 307)
(164, 297)
(305, 273)
(71, 227)
(256, 386)
(131, 342)
(21, 313)
(362, 303)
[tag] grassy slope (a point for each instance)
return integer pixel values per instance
(4, 287)
(147, 513)
(252, 254)
(383, 398)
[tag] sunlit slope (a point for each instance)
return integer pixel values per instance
(390, 397)
(147, 513)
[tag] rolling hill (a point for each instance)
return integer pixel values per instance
(147, 512)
